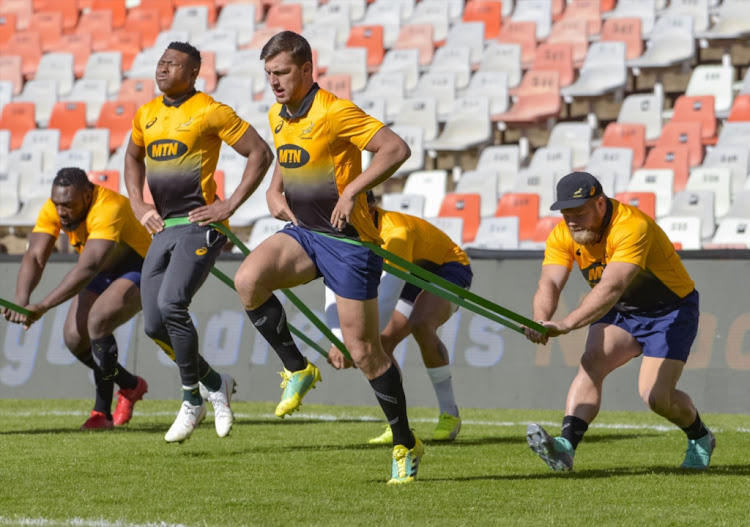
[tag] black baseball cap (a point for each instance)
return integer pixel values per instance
(575, 189)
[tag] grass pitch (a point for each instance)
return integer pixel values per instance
(316, 468)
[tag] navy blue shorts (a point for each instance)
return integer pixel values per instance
(350, 271)
(455, 272)
(666, 333)
(103, 280)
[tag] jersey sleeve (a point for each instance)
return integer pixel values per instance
(137, 132)
(396, 240)
(630, 243)
(48, 221)
(557, 250)
(225, 123)
(347, 121)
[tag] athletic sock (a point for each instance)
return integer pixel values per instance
(573, 429)
(192, 394)
(104, 393)
(442, 383)
(104, 351)
(270, 320)
(697, 429)
(390, 394)
(211, 380)
(124, 379)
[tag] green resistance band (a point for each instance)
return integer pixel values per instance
(171, 222)
(468, 299)
(14, 307)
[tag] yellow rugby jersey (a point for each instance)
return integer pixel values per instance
(319, 152)
(182, 142)
(631, 236)
(417, 240)
(109, 218)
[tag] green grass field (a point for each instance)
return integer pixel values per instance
(317, 469)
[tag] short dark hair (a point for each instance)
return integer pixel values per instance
(293, 43)
(190, 50)
(72, 177)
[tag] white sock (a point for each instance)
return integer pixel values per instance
(443, 386)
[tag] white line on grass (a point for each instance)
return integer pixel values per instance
(80, 522)
(375, 419)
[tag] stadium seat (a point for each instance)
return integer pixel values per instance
(335, 17)
(627, 30)
(237, 16)
(576, 136)
(7, 27)
(116, 7)
(96, 141)
(323, 41)
(49, 25)
(371, 39)
(554, 160)
(57, 67)
(431, 184)
(384, 14)
(414, 137)
(210, 6)
(504, 58)
(10, 71)
(106, 178)
(671, 42)
(29, 211)
(223, 43)
(645, 201)
(740, 110)
(644, 10)
(537, 11)
(487, 12)
(588, 10)
(503, 159)
(612, 163)
(734, 157)
(645, 109)
(29, 167)
(675, 158)
(697, 10)
(525, 206)
(522, 34)
(500, 233)
(412, 204)
(139, 91)
(46, 141)
(717, 180)
(145, 22)
(484, 183)
(285, 17)
(683, 231)
(571, 31)
(686, 133)
(18, 118)
(697, 108)
(544, 226)
(117, 116)
(450, 225)
(435, 14)
(454, 60)
(731, 22)
(21, 10)
(467, 35)
(4, 150)
(405, 61)
(623, 135)
(716, 80)
(98, 25)
(494, 86)
(105, 65)
(734, 133)
(660, 181)
(6, 93)
(351, 61)
(390, 86)
(440, 86)
(9, 201)
(73, 158)
(540, 183)
(339, 84)
(80, 46)
(421, 112)
(43, 93)
(93, 92)
(464, 206)
(28, 46)
(740, 204)
(68, 117)
(419, 37)
(733, 231)
(697, 203)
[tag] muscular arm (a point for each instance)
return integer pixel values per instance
(259, 158)
(544, 305)
(32, 267)
(135, 177)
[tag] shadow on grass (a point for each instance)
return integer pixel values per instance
(658, 470)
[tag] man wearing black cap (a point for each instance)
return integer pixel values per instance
(642, 301)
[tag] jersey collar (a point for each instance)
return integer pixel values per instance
(304, 107)
(179, 100)
(606, 220)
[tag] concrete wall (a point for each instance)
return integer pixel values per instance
(493, 367)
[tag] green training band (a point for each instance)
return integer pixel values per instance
(14, 307)
(415, 270)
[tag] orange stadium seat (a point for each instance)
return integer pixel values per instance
(219, 179)
(465, 206)
(117, 116)
(645, 201)
(740, 110)
(10, 70)
(525, 206)
(537, 98)
(544, 227)
(128, 44)
(208, 70)
(18, 118)
(98, 24)
(164, 7)
(68, 117)
(370, 38)
(139, 91)
(557, 57)
(68, 10)
(489, 13)
(210, 5)
(80, 46)
(675, 157)
(20, 9)
(285, 16)
(626, 135)
(339, 84)
(686, 133)
(7, 27)
(626, 30)
(106, 178)
(588, 10)
(522, 33)
(573, 32)
(420, 37)
(116, 7)
(697, 108)
(28, 45)
(145, 22)
(49, 25)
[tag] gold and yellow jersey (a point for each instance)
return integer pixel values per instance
(319, 152)
(109, 218)
(633, 237)
(417, 240)
(182, 142)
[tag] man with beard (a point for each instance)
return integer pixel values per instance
(104, 284)
(642, 302)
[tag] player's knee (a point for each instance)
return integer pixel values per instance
(657, 400)
(98, 324)
(74, 341)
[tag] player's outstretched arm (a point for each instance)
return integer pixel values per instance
(30, 272)
(551, 283)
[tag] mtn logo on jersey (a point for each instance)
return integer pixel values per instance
(593, 273)
(292, 156)
(166, 149)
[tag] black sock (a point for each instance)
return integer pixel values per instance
(390, 393)
(573, 429)
(697, 429)
(193, 396)
(211, 379)
(105, 352)
(270, 320)
(104, 392)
